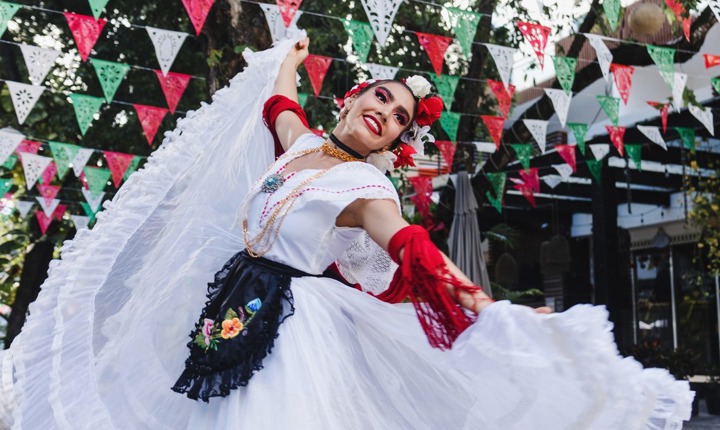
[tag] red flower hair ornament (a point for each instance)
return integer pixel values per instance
(413, 140)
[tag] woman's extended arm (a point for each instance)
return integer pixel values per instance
(287, 125)
(382, 221)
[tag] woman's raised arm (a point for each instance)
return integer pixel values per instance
(288, 125)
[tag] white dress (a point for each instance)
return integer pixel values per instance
(347, 360)
(106, 339)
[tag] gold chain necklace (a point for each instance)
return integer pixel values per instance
(267, 236)
(337, 153)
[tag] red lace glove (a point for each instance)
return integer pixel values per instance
(272, 108)
(424, 277)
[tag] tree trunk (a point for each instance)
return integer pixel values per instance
(35, 271)
(230, 27)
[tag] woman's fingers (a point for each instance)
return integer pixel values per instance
(543, 310)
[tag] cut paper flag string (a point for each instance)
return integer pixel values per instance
(47, 197)
(537, 36)
(97, 7)
(80, 160)
(167, 45)
(118, 163)
(39, 61)
(302, 99)
(7, 12)
(464, 24)
(85, 30)
(679, 11)
(611, 107)
(447, 149)
(497, 181)
(526, 192)
(85, 109)
(579, 131)
(504, 95)
(44, 221)
(63, 154)
(711, 60)
(504, 59)
(49, 173)
(664, 109)
(612, 10)
(173, 86)
(361, 35)
(561, 103)
(531, 177)
(595, 168)
(634, 152)
(523, 152)
(653, 133)
(381, 14)
(617, 137)
(435, 47)
(552, 181)
(288, 9)
(317, 67)
(450, 121)
(97, 179)
(679, 89)
(664, 59)
(33, 166)
(716, 84)
(9, 141)
(604, 55)
(567, 152)
(381, 72)
(564, 170)
(197, 12)
(93, 201)
(622, 75)
(565, 71)
(714, 6)
(80, 221)
(278, 30)
(5, 185)
(538, 129)
(134, 164)
(28, 146)
(446, 86)
(495, 125)
(600, 150)
(704, 115)
(23, 207)
(496, 202)
(110, 75)
(150, 118)
(10, 162)
(24, 97)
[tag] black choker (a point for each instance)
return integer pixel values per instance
(344, 147)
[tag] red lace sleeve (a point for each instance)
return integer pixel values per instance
(272, 108)
(423, 277)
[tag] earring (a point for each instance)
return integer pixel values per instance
(343, 112)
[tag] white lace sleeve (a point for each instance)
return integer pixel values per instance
(364, 261)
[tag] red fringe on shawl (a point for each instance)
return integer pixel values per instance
(424, 278)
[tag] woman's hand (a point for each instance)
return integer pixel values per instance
(299, 53)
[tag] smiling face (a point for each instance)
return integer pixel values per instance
(376, 117)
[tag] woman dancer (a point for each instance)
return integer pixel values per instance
(123, 298)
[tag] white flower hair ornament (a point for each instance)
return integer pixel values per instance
(413, 140)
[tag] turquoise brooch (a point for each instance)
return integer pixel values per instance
(272, 183)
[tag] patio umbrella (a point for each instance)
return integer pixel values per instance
(464, 239)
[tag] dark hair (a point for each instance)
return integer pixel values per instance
(397, 141)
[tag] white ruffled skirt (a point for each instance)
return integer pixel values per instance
(346, 360)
